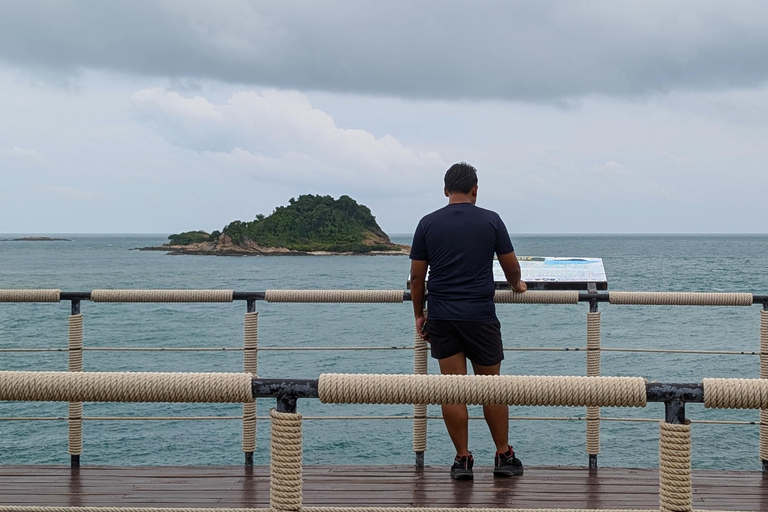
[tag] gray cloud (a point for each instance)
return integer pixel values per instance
(512, 50)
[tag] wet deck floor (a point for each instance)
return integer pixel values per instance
(390, 486)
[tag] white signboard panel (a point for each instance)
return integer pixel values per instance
(554, 273)
(538, 269)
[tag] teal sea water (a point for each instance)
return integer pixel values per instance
(658, 263)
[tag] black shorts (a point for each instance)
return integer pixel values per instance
(480, 341)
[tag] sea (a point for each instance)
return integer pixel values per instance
(716, 263)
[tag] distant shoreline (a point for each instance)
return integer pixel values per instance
(213, 249)
(35, 239)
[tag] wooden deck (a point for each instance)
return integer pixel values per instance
(234, 486)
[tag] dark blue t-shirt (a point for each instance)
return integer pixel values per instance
(458, 242)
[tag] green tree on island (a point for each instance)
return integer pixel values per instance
(189, 237)
(309, 223)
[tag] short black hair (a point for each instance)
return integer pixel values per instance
(460, 177)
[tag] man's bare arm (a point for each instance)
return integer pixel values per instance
(511, 268)
(418, 275)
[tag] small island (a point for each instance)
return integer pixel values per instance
(311, 224)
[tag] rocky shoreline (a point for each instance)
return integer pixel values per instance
(224, 247)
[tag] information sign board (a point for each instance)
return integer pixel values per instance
(545, 272)
(555, 273)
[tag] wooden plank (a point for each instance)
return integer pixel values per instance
(386, 486)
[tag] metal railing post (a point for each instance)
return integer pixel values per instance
(675, 482)
(285, 468)
(75, 409)
(593, 370)
(420, 367)
(250, 365)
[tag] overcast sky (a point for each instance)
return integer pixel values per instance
(581, 117)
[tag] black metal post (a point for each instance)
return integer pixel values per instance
(74, 460)
(674, 411)
(286, 402)
(664, 392)
(298, 388)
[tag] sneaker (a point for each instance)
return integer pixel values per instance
(506, 464)
(462, 467)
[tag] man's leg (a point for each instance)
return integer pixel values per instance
(455, 415)
(496, 416)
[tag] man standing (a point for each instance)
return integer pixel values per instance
(457, 244)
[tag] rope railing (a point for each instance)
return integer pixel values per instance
(675, 485)
(481, 389)
(378, 296)
(125, 387)
(378, 348)
(362, 418)
(30, 295)
(250, 347)
(681, 298)
(162, 295)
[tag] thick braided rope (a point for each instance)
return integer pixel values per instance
(593, 430)
(482, 389)
(75, 430)
(75, 342)
(251, 343)
(249, 427)
(593, 370)
(126, 387)
(285, 466)
(764, 344)
(30, 295)
(735, 393)
(675, 488)
(162, 295)
(420, 367)
(763, 434)
(593, 344)
(763, 375)
(75, 413)
(681, 298)
(250, 365)
(537, 297)
(374, 296)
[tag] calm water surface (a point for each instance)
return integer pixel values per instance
(659, 263)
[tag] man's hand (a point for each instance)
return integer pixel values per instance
(511, 268)
(421, 328)
(418, 275)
